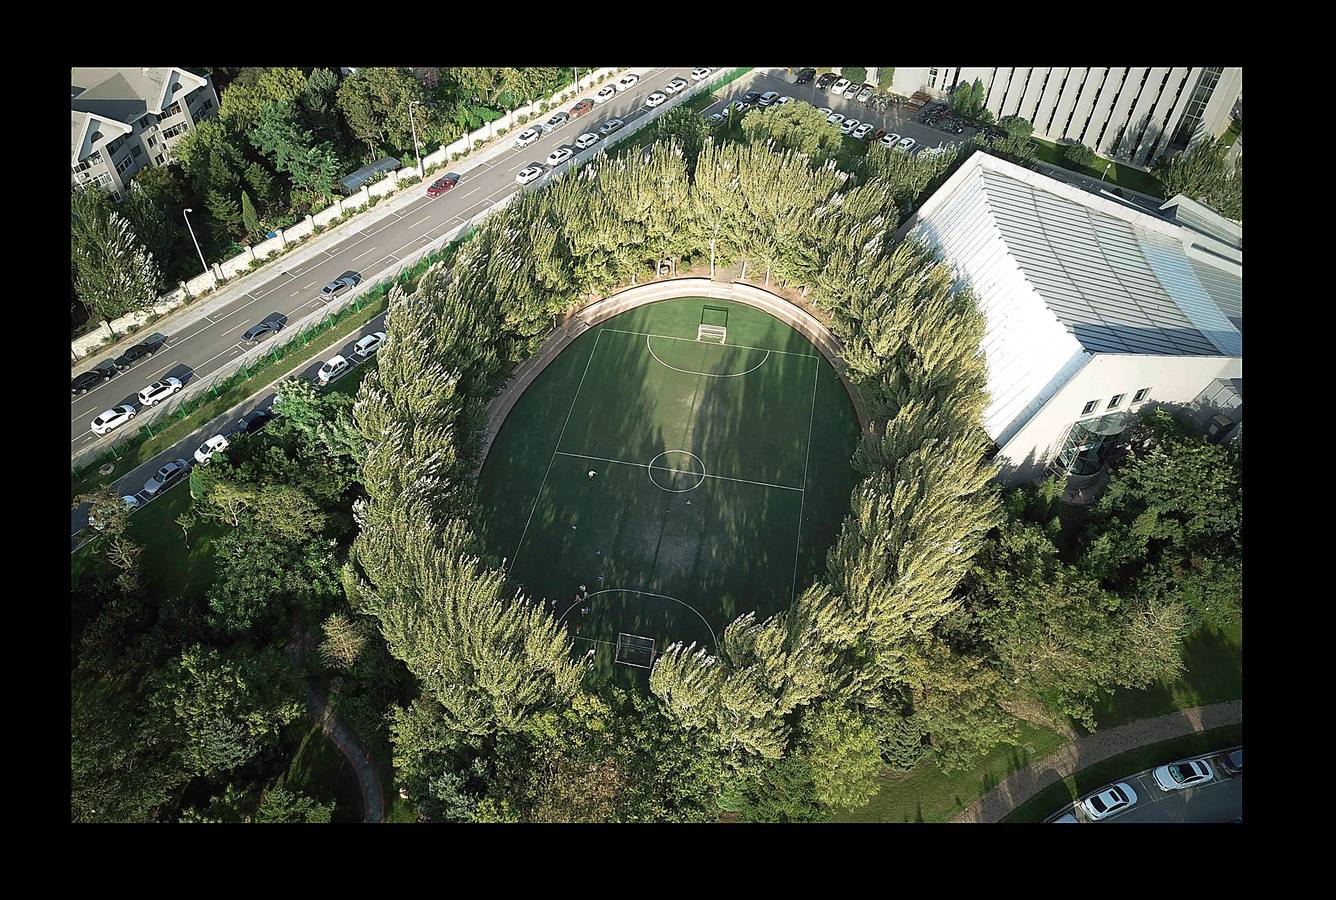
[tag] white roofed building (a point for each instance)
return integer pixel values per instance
(1094, 307)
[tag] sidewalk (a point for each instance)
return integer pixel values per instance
(1085, 752)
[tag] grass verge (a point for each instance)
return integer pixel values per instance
(1123, 176)
(1051, 798)
(927, 794)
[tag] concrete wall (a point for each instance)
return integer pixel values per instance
(1171, 379)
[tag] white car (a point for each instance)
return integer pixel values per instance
(527, 137)
(862, 131)
(586, 140)
(165, 476)
(905, 145)
(131, 503)
(824, 110)
(605, 93)
(849, 126)
(332, 369)
(852, 91)
(529, 173)
(890, 140)
(1113, 799)
(1066, 819)
(840, 86)
(767, 98)
(113, 418)
(658, 98)
(627, 81)
(702, 72)
(782, 100)
(215, 444)
(368, 345)
(158, 391)
(835, 118)
(675, 85)
(1184, 774)
(559, 156)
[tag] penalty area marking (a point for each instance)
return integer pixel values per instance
(706, 374)
(593, 594)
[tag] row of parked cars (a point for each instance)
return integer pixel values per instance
(534, 171)
(1175, 776)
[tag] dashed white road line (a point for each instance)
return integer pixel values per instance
(365, 252)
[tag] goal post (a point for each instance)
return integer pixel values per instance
(713, 324)
(716, 334)
(634, 650)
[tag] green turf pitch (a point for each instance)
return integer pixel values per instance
(723, 475)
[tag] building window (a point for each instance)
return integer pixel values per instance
(1117, 399)
(1201, 95)
(174, 131)
(158, 159)
(1089, 407)
(1140, 395)
(932, 78)
(206, 105)
(136, 151)
(173, 109)
(125, 164)
(84, 166)
(152, 141)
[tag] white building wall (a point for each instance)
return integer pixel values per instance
(1084, 104)
(1215, 118)
(1159, 115)
(1052, 93)
(1011, 102)
(1102, 126)
(1175, 380)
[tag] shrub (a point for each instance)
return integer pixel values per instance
(1079, 155)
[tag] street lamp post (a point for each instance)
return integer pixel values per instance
(193, 238)
(1106, 169)
(421, 172)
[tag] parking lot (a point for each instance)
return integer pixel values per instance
(897, 119)
(1218, 800)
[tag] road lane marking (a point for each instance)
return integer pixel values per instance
(420, 221)
(364, 253)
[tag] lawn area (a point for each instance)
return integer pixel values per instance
(928, 794)
(1213, 660)
(1047, 801)
(1231, 135)
(1122, 175)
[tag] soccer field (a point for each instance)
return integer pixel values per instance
(721, 475)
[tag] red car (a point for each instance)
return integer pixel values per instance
(581, 108)
(442, 184)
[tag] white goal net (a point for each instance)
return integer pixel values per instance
(717, 334)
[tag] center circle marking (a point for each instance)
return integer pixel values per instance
(699, 481)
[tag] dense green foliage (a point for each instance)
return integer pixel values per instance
(1204, 173)
(1078, 154)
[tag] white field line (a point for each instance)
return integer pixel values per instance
(669, 337)
(646, 466)
(706, 374)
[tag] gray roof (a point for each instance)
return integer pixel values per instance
(1117, 284)
(355, 180)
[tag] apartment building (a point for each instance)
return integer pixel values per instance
(123, 119)
(1094, 310)
(1130, 114)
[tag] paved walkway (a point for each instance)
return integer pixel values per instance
(1085, 752)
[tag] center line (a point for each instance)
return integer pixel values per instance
(680, 471)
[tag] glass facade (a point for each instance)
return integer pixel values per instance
(1192, 114)
(1088, 444)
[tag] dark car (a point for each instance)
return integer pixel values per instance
(751, 97)
(339, 285)
(826, 80)
(879, 134)
(581, 108)
(262, 331)
(806, 75)
(1231, 763)
(256, 419)
(84, 383)
(135, 354)
(442, 184)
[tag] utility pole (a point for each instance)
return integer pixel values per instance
(193, 238)
(421, 172)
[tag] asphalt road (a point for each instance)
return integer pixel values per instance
(1219, 800)
(293, 291)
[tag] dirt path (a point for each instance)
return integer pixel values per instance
(1085, 752)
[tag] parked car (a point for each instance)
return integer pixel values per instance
(1183, 774)
(658, 98)
(716, 118)
(751, 97)
(206, 450)
(526, 137)
(835, 118)
(129, 501)
(849, 125)
(904, 145)
(442, 184)
(586, 140)
(1232, 762)
(825, 81)
(531, 172)
(805, 75)
(1065, 819)
(889, 141)
(610, 126)
(701, 72)
(581, 108)
(344, 282)
(262, 331)
(101, 372)
(675, 85)
(254, 420)
(557, 120)
(865, 93)
(1113, 799)
(824, 110)
(627, 81)
(559, 156)
(368, 345)
(332, 369)
(136, 353)
(165, 476)
(840, 86)
(768, 98)
(113, 418)
(879, 134)
(862, 131)
(740, 105)
(159, 390)
(604, 94)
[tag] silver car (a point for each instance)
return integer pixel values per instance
(1113, 799)
(1184, 774)
(165, 476)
